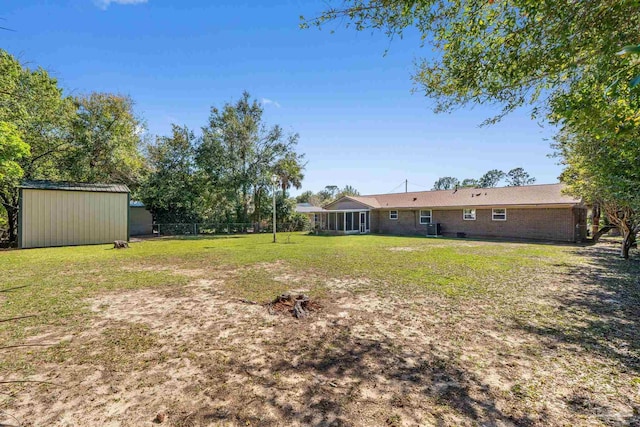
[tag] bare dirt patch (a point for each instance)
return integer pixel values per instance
(403, 249)
(560, 350)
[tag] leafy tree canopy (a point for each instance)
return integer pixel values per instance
(518, 176)
(446, 183)
(12, 149)
(34, 109)
(511, 53)
(171, 190)
(491, 178)
(239, 154)
(106, 138)
(469, 183)
(348, 190)
(327, 195)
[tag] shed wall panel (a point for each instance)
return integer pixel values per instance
(141, 221)
(63, 218)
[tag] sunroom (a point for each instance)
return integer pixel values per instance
(347, 215)
(350, 221)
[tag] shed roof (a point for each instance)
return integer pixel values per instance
(74, 186)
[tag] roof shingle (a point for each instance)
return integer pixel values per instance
(529, 195)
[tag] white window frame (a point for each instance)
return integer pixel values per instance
(472, 214)
(391, 215)
(493, 214)
(430, 216)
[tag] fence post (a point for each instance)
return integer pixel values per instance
(195, 229)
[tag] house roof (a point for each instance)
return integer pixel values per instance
(74, 186)
(370, 201)
(307, 208)
(529, 195)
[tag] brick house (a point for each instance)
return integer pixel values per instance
(538, 212)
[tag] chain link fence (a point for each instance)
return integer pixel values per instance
(212, 229)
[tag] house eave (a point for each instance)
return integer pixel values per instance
(347, 198)
(488, 206)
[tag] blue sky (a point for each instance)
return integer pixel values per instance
(358, 121)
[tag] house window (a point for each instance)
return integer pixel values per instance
(315, 218)
(425, 216)
(469, 214)
(499, 214)
(393, 214)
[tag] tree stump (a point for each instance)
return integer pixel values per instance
(298, 306)
(120, 244)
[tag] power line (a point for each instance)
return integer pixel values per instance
(418, 185)
(396, 187)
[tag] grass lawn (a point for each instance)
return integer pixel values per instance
(411, 331)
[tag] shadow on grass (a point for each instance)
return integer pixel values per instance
(489, 240)
(601, 317)
(203, 237)
(606, 310)
(340, 378)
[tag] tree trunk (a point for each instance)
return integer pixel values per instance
(10, 203)
(12, 221)
(627, 243)
(595, 219)
(601, 232)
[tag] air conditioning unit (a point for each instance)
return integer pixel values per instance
(433, 229)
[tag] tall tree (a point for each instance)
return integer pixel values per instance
(289, 170)
(331, 191)
(517, 177)
(600, 148)
(469, 183)
(172, 191)
(491, 178)
(348, 190)
(238, 155)
(305, 197)
(446, 183)
(107, 139)
(32, 103)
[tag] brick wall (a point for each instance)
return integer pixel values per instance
(536, 223)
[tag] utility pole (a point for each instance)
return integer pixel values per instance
(406, 185)
(274, 180)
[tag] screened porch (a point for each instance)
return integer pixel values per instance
(343, 221)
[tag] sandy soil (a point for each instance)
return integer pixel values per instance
(194, 356)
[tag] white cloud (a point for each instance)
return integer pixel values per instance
(267, 101)
(104, 4)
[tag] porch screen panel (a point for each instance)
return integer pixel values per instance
(368, 221)
(349, 216)
(356, 220)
